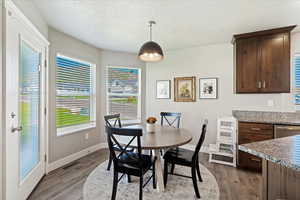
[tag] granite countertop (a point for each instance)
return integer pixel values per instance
(284, 151)
(283, 118)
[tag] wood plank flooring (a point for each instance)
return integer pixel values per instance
(67, 183)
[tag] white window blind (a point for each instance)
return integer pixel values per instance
(297, 79)
(123, 92)
(74, 92)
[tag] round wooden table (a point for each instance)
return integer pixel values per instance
(163, 138)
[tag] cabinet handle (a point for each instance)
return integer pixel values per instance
(255, 160)
(259, 84)
(255, 129)
(264, 84)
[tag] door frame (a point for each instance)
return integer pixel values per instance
(9, 8)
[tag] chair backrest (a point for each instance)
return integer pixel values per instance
(132, 135)
(113, 120)
(201, 140)
(165, 116)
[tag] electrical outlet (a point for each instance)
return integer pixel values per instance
(87, 136)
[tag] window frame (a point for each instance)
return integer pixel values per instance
(84, 126)
(139, 95)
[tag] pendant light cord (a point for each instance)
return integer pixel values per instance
(150, 25)
(150, 31)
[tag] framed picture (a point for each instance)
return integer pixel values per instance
(208, 88)
(185, 89)
(163, 89)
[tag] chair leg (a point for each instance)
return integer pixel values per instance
(165, 173)
(115, 186)
(141, 187)
(194, 177)
(129, 178)
(198, 172)
(173, 168)
(154, 176)
(109, 162)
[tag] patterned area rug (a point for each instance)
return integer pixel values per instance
(99, 186)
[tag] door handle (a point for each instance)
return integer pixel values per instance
(16, 129)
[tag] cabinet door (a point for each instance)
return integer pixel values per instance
(274, 56)
(246, 66)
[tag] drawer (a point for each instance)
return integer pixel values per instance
(245, 137)
(248, 161)
(256, 128)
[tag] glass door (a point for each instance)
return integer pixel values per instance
(29, 109)
(25, 122)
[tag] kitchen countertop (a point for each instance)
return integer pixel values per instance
(284, 151)
(283, 118)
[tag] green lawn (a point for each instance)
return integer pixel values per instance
(132, 100)
(64, 117)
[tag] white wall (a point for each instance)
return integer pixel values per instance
(207, 61)
(30, 10)
(1, 128)
(62, 146)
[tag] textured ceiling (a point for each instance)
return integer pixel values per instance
(122, 24)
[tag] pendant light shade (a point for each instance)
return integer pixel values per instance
(151, 51)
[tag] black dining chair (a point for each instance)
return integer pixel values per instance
(128, 162)
(186, 158)
(172, 119)
(166, 117)
(113, 121)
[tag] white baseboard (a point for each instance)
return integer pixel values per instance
(64, 161)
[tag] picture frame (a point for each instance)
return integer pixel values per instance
(208, 88)
(163, 89)
(185, 89)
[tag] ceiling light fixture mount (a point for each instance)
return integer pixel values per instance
(151, 51)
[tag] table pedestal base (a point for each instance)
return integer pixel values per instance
(159, 171)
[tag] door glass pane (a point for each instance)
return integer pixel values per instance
(29, 105)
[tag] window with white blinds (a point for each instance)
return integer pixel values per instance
(74, 92)
(297, 79)
(123, 87)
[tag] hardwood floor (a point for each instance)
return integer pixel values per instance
(67, 183)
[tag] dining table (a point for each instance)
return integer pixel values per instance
(163, 138)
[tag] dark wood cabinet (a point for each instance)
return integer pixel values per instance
(246, 59)
(263, 61)
(252, 132)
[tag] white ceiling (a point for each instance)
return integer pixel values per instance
(122, 24)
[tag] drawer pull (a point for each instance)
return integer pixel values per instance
(255, 159)
(255, 129)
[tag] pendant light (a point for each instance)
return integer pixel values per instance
(151, 51)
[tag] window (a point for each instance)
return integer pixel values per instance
(75, 95)
(124, 93)
(297, 79)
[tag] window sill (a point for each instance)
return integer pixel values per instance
(74, 129)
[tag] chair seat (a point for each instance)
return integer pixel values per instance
(179, 156)
(129, 163)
